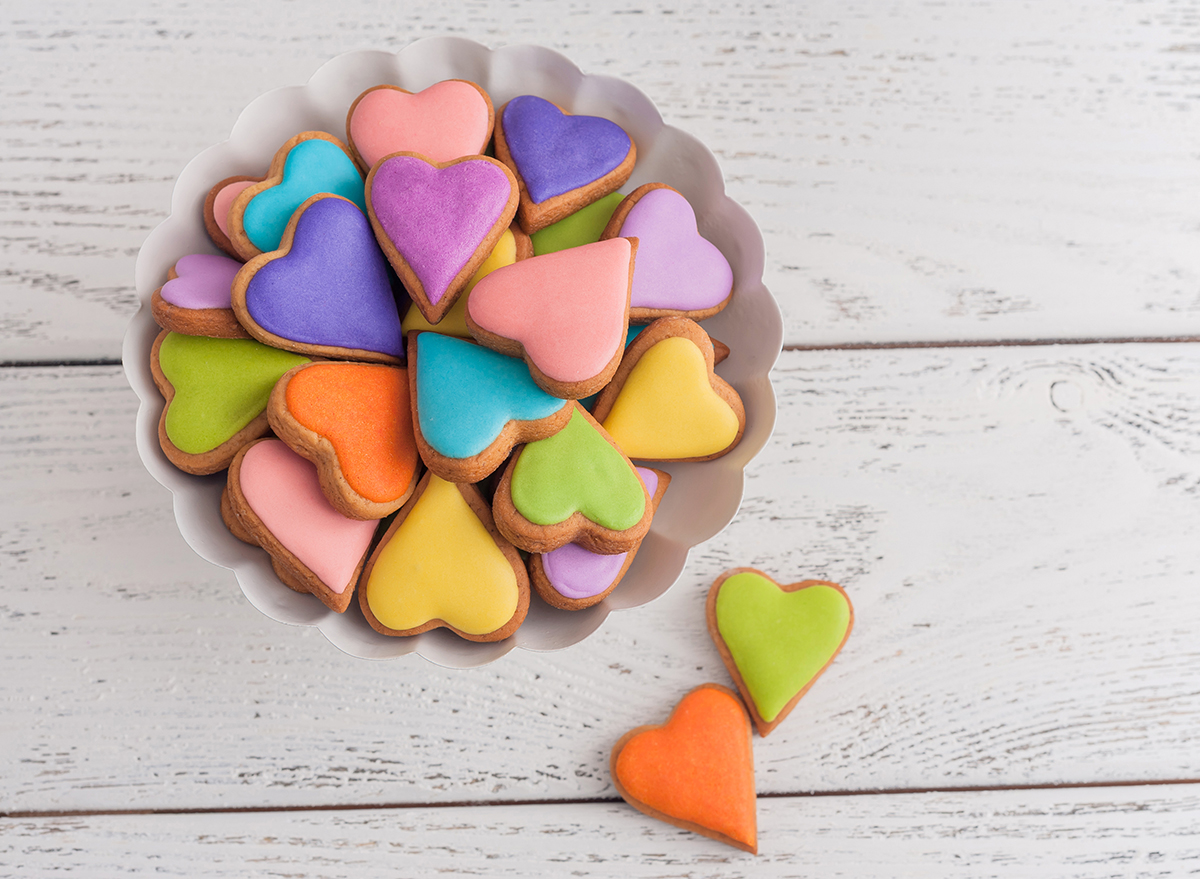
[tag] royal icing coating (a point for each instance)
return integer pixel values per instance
(445, 121)
(312, 166)
(221, 385)
(455, 321)
(585, 226)
(332, 287)
(284, 492)
(202, 281)
(577, 470)
(363, 410)
(779, 640)
(556, 153)
(224, 201)
(676, 268)
(667, 409)
(442, 564)
(567, 309)
(467, 393)
(436, 218)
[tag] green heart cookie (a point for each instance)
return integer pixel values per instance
(778, 638)
(577, 470)
(585, 226)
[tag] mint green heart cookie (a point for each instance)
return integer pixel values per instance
(776, 640)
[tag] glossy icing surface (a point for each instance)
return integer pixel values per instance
(576, 470)
(556, 153)
(443, 122)
(332, 287)
(283, 490)
(582, 227)
(467, 393)
(203, 281)
(221, 385)
(455, 321)
(442, 563)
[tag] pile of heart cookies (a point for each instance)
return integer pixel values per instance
(431, 355)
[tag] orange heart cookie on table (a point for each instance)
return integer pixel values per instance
(216, 210)
(442, 563)
(354, 421)
(565, 313)
(696, 771)
(666, 403)
(196, 300)
(776, 640)
(273, 499)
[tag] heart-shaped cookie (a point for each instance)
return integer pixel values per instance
(216, 209)
(354, 421)
(562, 162)
(573, 487)
(448, 120)
(775, 639)
(585, 226)
(565, 314)
(696, 771)
(326, 291)
(274, 500)
(437, 222)
(195, 299)
(665, 402)
(442, 564)
(473, 405)
(216, 392)
(311, 162)
(678, 272)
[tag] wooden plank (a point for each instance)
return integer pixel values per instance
(919, 174)
(1064, 834)
(1016, 527)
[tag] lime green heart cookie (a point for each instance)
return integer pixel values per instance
(776, 640)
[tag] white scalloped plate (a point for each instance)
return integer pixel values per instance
(703, 497)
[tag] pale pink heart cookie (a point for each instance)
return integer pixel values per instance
(216, 209)
(565, 313)
(274, 500)
(195, 300)
(446, 121)
(679, 273)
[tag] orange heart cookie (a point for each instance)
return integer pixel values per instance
(696, 771)
(354, 421)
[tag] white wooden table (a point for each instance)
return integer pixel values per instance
(981, 224)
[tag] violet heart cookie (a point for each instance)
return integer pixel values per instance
(679, 272)
(273, 499)
(445, 121)
(438, 222)
(217, 205)
(326, 291)
(574, 578)
(776, 639)
(195, 300)
(562, 162)
(565, 313)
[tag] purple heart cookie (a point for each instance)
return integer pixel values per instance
(195, 299)
(437, 222)
(326, 291)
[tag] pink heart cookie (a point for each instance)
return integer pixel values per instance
(565, 313)
(446, 121)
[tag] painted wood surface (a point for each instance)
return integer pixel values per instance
(920, 171)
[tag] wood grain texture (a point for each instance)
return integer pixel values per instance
(920, 171)
(1015, 526)
(1057, 834)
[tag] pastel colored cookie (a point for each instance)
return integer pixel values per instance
(354, 422)
(446, 121)
(195, 300)
(326, 291)
(576, 486)
(585, 226)
(696, 771)
(273, 499)
(438, 221)
(216, 392)
(310, 163)
(565, 314)
(216, 209)
(442, 563)
(665, 402)
(471, 406)
(514, 245)
(679, 272)
(776, 640)
(562, 162)
(574, 578)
